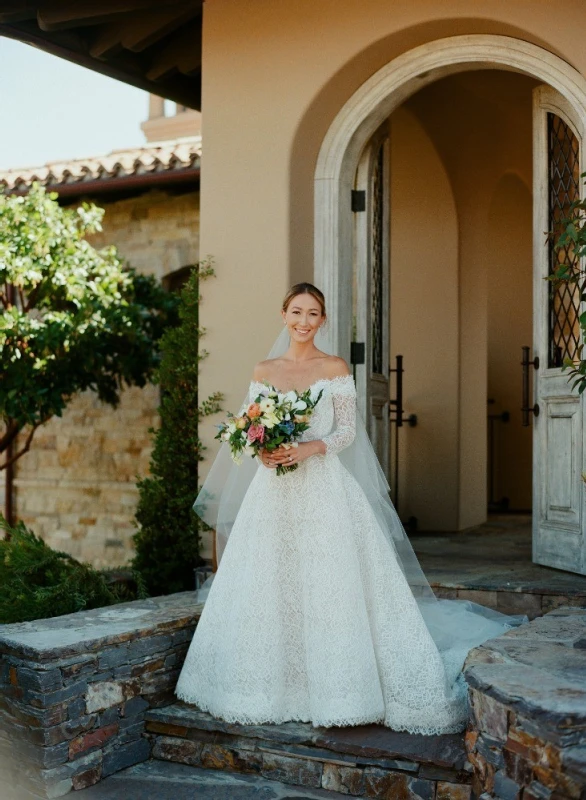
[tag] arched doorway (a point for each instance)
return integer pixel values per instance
(353, 142)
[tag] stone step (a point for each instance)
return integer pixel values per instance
(160, 780)
(364, 761)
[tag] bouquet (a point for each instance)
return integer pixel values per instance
(272, 420)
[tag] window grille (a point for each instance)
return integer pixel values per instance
(563, 189)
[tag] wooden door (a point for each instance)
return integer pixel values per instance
(559, 493)
(371, 290)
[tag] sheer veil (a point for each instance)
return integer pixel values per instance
(455, 625)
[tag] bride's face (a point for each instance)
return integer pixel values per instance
(303, 318)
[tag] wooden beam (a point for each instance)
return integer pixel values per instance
(16, 16)
(127, 67)
(55, 16)
(18, 11)
(136, 32)
(181, 53)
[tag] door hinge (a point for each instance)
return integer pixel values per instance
(358, 200)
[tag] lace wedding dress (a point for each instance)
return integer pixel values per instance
(310, 616)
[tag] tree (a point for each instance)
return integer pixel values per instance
(72, 318)
(168, 540)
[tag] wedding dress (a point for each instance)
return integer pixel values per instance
(311, 617)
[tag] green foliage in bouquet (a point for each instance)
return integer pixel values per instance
(71, 317)
(168, 539)
(39, 582)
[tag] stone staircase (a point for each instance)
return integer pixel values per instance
(193, 751)
(87, 704)
(164, 780)
(364, 761)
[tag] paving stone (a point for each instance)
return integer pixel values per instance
(84, 666)
(92, 740)
(536, 791)
(378, 741)
(346, 780)
(491, 750)
(113, 657)
(505, 788)
(125, 756)
(382, 784)
(134, 706)
(291, 770)
(493, 557)
(187, 716)
(39, 680)
(68, 730)
(147, 646)
(452, 791)
(103, 695)
(215, 756)
(130, 733)
(182, 751)
(109, 716)
(84, 631)
(87, 778)
(47, 699)
(159, 780)
(574, 762)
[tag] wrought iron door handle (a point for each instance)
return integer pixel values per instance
(397, 404)
(526, 409)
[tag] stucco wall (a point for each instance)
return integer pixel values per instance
(276, 74)
(424, 266)
(77, 485)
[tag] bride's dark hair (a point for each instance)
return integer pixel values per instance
(305, 288)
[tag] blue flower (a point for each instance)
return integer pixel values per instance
(287, 427)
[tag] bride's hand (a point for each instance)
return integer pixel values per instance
(278, 457)
(287, 456)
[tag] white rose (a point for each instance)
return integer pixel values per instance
(225, 436)
(299, 405)
(249, 451)
(232, 427)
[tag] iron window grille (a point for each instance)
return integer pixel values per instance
(563, 189)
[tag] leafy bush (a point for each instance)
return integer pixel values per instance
(71, 317)
(168, 540)
(39, 582)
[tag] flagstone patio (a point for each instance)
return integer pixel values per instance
(492, 566)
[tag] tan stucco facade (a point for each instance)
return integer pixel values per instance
(276, 76)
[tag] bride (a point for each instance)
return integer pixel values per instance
(319, 611)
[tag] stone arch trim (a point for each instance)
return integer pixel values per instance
(365, 110)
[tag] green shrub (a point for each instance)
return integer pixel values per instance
(39, 582)
(71, 317)
(168, 540)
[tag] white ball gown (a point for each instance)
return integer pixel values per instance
(310, 616)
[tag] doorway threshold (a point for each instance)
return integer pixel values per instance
(491, 565)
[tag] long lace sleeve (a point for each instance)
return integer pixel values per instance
(344, 400)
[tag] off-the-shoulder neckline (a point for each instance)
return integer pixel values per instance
(302, 391)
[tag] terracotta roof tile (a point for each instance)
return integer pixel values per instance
(173, 155)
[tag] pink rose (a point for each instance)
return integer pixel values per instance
(256, 433)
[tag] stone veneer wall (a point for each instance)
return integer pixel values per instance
(76, 487)
(74, 691)
(527, 734)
